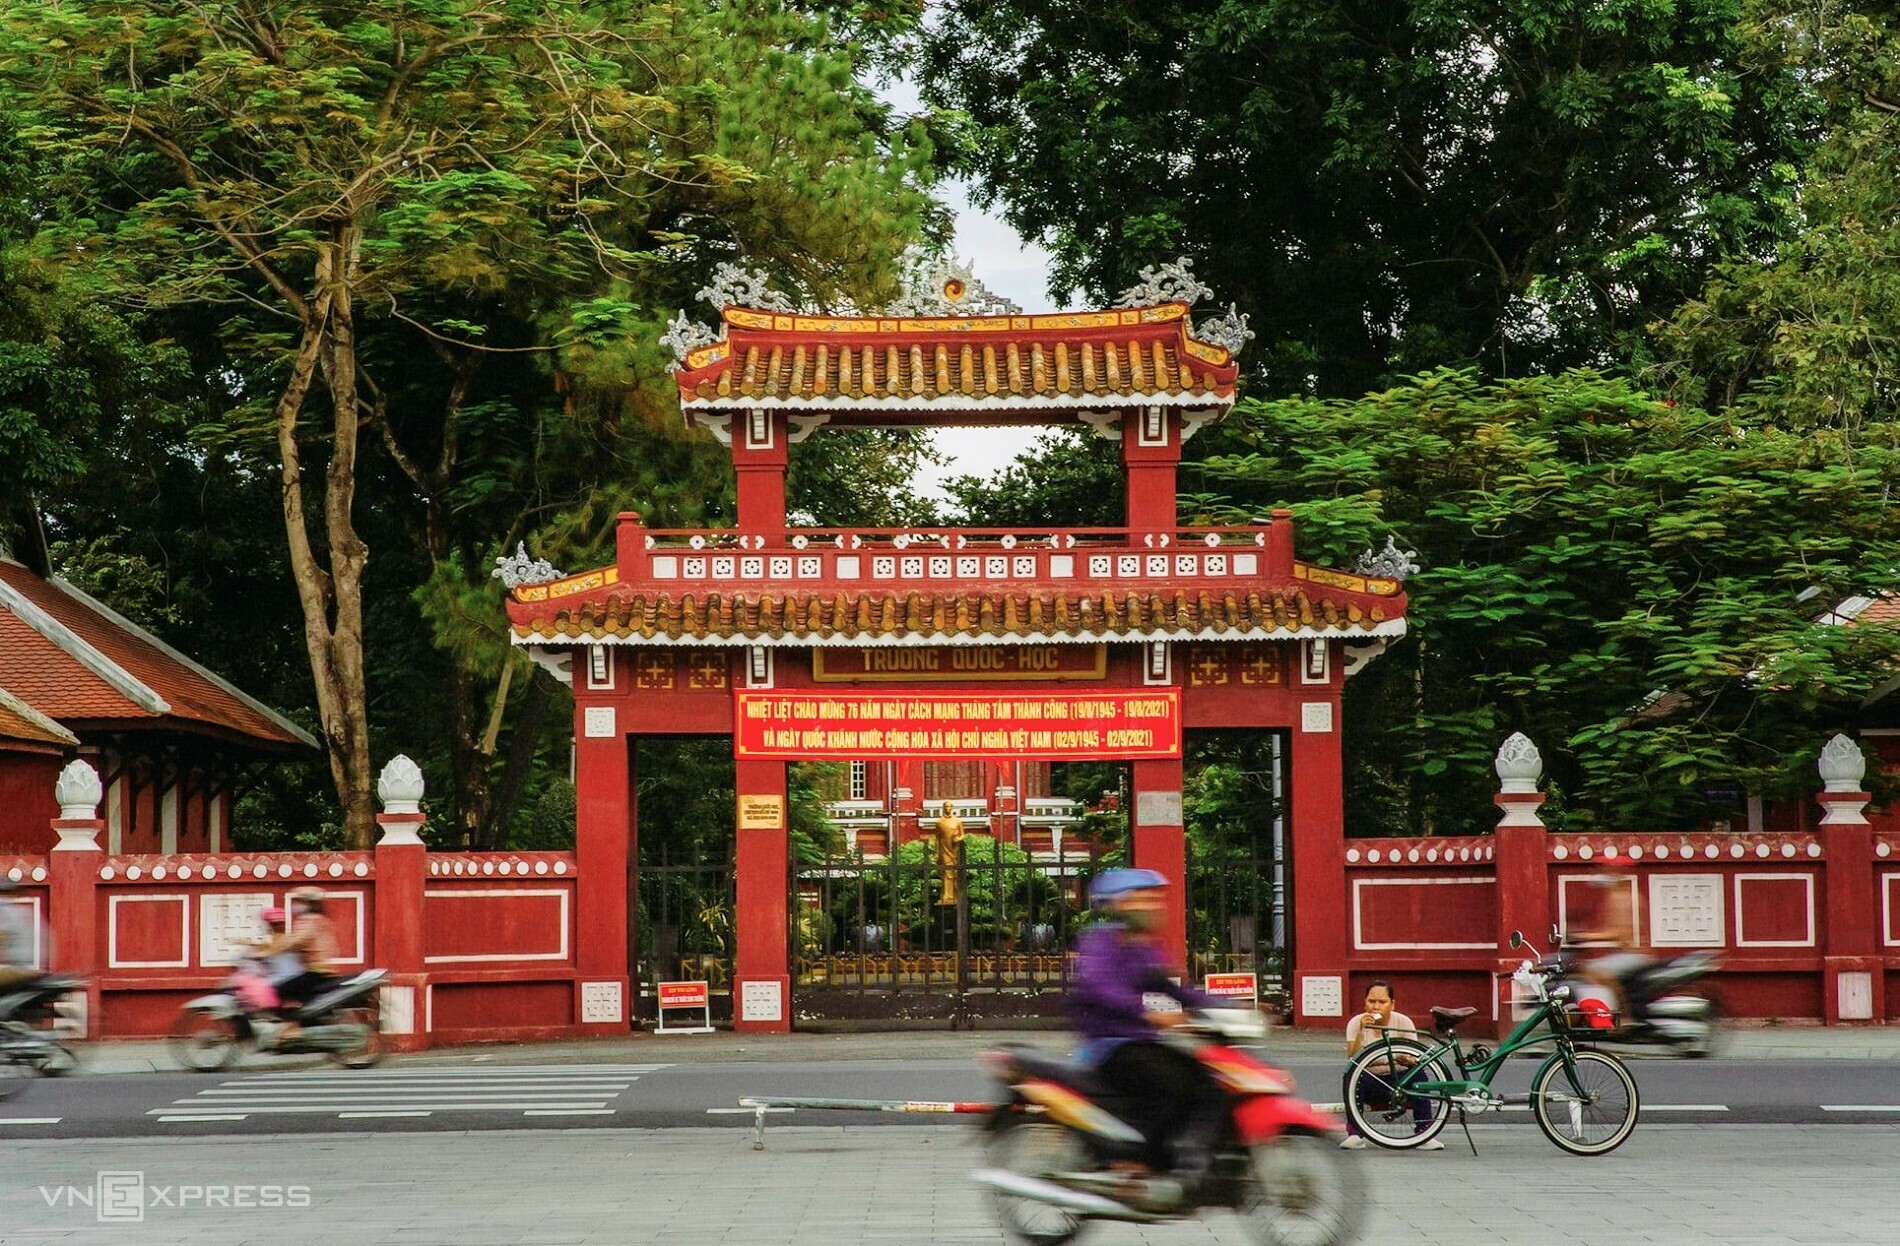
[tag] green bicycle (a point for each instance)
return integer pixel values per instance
(1400, 1093)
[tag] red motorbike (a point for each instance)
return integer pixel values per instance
(1060, 1154)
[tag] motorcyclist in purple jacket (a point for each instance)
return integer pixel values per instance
(1168, 1095)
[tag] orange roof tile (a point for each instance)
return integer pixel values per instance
(1095, 359)
(74, 660)
(854, 617)
(20, 723)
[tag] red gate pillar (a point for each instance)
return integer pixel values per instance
(762, 982)
(759, 458)
(1317, 846)
(1520, 864)
(72, 876)
(1158, 841)
(603, 847)
(1151, 449)
(1855, 987)
(402, 866)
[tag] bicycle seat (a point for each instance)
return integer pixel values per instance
(1446, 1019)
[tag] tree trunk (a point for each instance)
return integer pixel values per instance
(519, 763)
(467, 763)
(332, 599)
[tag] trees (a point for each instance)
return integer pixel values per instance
(407, 216)
(1384, 185)
(1637, 585)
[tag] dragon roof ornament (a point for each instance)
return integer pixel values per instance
(1390, 563)
(1175, 282)
(948, 288)
(519, 568)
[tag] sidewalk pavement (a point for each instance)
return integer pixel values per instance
(1745, 1043)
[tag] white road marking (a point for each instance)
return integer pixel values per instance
(493, 1070)
(744, 1111)
(1860, 1107)
(363, 1116)
(409, 1092)
(282, 1109)
(478, 1092)
(29, 1120)
(569, 1112)
(1685, 1107)
(198, 1118)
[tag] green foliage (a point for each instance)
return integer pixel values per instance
(1384, 185)
(1636, 585)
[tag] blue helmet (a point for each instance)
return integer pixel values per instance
(1114, 884)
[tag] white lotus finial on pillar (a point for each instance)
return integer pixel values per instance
(400, 788)
(1842, 765)
(1519, 765)
(78, 791)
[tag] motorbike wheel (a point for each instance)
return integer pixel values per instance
(1306, 1192)
(205, 1043)
(13, 1076)
(371, 1052)
(1714, 1041)
(55, 1060)
(1036, 1149)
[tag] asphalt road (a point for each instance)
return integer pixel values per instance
(522, 1094)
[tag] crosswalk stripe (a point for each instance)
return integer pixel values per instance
(29, 1120)
(198, 1118)
(363, 1116)
(281, 1109)
(574, 1092)
(492, 1070)
(1860, 1107)
(569, 1112)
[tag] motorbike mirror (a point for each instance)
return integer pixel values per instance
(1517, 939)
(1556, 936)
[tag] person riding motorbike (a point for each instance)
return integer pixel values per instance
(17, 970)
(1171, 1100)
(1613, 934)
(311, 940)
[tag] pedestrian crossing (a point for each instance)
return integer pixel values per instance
(581, 1090)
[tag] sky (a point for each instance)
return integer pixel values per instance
(1008, 265)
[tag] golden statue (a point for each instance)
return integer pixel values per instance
(947, 832)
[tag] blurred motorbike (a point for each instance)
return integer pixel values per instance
(341, 1023)
(1054, 1144)
(31, 1043)
(1665, 1003)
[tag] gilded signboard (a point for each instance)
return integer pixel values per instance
(911, 664)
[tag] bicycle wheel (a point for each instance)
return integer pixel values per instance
(14, 1075)
(1590, 1113)
(1379, 1107)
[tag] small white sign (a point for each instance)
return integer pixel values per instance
(1157, 809)
(227, 922)
(600, 1001)
(1857, 995)
(761, 1001)
(397, 1008)
(1316, 717)
(599, 722)
(1155, 1001)
(1323, 996)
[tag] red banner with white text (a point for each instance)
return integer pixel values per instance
(807, 726)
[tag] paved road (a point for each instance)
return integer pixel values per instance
(1686, 1185)
(485, 1094)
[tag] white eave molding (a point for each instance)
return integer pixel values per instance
(1391, 628)
(121, 680)
(17, 706)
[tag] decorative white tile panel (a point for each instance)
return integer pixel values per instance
(1099, 565)
(1217, 564)
(811, 567)
(1186, 564)
(939, 568)
(996, 566)
(1246, 564)
(1685, 910)
(1061, 566)
(969, 568)
(1128, 564)
(723, 568)
(1157, 565)
(911, 568)
(781, 568)
(883, 567)
(752, 567)
(666, 567)
(695, 568)
(1026, 566)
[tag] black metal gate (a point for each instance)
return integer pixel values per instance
(893, 939)
(684, 927)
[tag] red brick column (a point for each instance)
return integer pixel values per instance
(603, 852)
(1854, 990)
(72, 877)
(401, 874)
(762, 981)
(1521, 864)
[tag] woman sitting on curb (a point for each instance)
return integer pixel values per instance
(1378, 1020)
